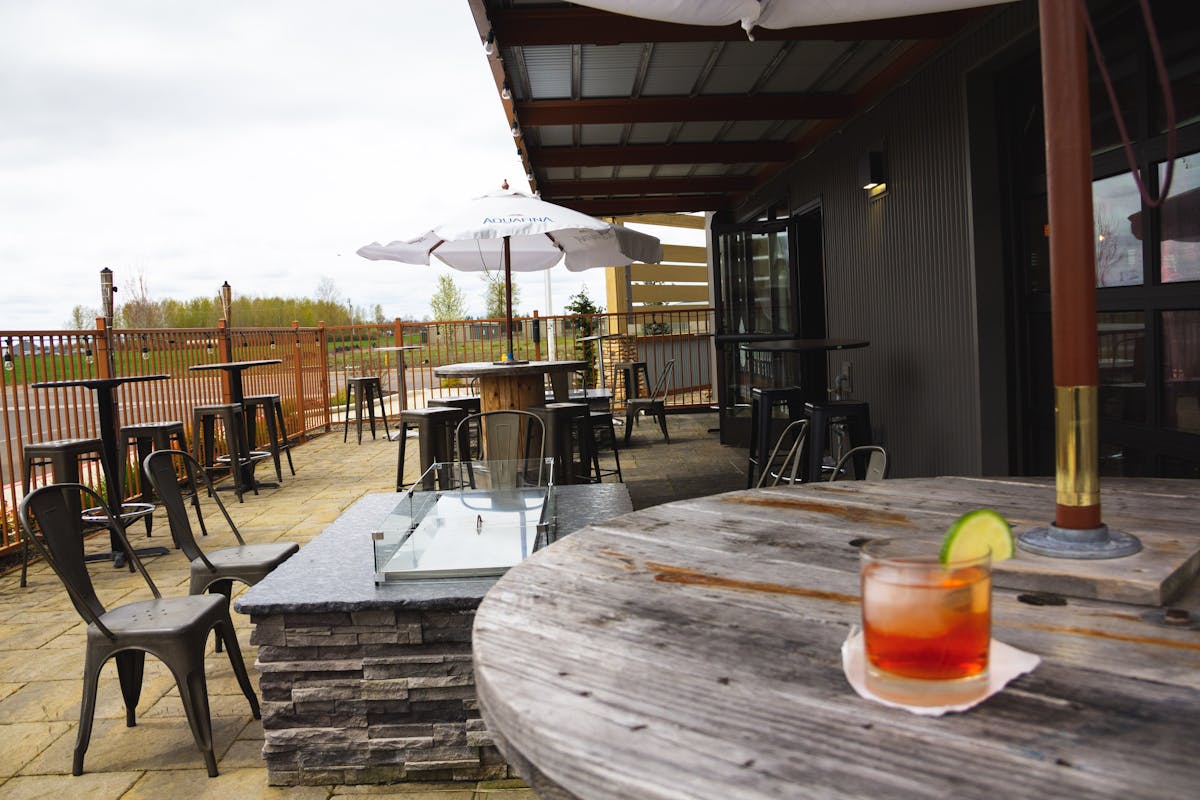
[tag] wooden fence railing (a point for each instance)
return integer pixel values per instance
(310, 379)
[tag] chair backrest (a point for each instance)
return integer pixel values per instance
(506, 436)
(877, 464)
(50, 511)
(162, 469)
(789, 469)
(664, 378)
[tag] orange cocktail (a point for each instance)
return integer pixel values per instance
(926, 624)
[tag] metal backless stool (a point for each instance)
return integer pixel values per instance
(852, 416)
(146, 437)
(271, 406)
(435, 428)
(763, 428)
(233, 418)
(62, 456)
(366, 389)
(172, 629)
(569, 440)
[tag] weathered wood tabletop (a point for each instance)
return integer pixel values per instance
(692, 650)
(519, 385)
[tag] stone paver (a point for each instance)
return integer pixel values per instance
(42, 638)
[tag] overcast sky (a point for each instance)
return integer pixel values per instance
(256, 142)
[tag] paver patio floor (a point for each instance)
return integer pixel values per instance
(42, 637)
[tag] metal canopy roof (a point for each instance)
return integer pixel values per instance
(619, 115)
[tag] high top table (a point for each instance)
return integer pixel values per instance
(692, 650)
(399, 350)
(108, 412)
(237, 397)
(801, 361)
(514, 386)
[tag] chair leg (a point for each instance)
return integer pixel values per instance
(346, 415)
(130, 666)
(87, 709)
(662, 423)
(630, 419)
(193, 691)
(225, 631)
(273, 437)
(224, 587)
(281, 423)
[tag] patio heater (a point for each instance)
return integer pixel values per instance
(226, 301)
(107, 290)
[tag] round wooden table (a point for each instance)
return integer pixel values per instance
(514, 386)
(691, 650)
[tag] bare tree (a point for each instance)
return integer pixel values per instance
(140, 310)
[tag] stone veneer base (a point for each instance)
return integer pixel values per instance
(374, 684)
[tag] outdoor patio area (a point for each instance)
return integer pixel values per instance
(42, 637)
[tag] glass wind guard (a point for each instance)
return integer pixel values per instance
(485, 517)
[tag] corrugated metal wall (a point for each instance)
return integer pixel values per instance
(900, 268)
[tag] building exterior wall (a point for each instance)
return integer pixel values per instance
(901, 269)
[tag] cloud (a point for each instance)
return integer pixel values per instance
(260, 143)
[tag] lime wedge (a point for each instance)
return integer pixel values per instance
(975, 533)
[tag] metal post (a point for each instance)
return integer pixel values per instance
(1078, 531)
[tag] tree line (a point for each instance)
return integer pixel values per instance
(135, 308)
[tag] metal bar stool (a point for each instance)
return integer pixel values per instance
(604, 434)
(854, 416)
(239, 458)
(62, 456)
(470, 403)
(632, 375)
(277, 436)
(364, 389)
(146, 437)
(569, 441)
(763, 403)
(435, 428)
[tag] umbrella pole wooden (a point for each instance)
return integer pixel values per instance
(1077, 530)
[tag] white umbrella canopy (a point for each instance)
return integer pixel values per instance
(519, 232)
(777, 13)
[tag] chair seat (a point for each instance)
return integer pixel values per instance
(154, 618)
(273, 553)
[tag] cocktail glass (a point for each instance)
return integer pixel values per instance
(926, 624)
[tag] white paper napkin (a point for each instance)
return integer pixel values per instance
(1005, 662)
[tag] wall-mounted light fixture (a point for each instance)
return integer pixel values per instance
(505, 92)
(489, 44)
(872, 172)
(516, 130)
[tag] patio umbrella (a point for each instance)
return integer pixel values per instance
(519, 232)
(1078, 530)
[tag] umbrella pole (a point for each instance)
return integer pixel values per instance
(508, 296)
(1077, 531)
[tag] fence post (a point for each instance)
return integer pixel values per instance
(322, 360)
(299, 377)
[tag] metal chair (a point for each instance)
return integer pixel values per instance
(507, 438)
(655, 404)
(789, 468)
(173, 629)
(877, 463)
(216, 570)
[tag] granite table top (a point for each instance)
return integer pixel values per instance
(336, 571)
